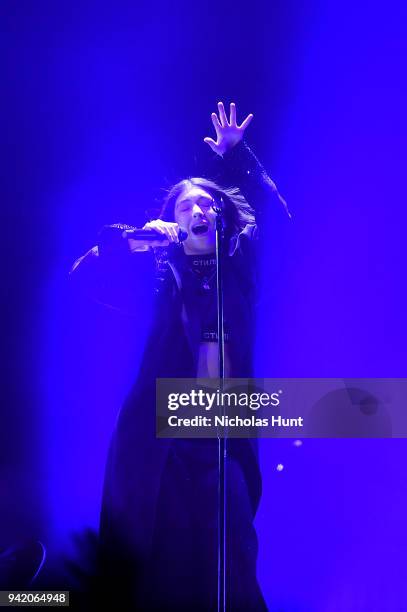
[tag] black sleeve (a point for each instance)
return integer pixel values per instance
(110, 275)
(243, 169)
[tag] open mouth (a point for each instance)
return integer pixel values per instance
(200, 229)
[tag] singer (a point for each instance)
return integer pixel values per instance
(158, 527)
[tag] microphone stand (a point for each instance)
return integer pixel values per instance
(222, 441)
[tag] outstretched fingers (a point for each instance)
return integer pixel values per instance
(246, 122)
(228, 133)
(216, 123)
(222, 115)
(233, 114)
(211, 143)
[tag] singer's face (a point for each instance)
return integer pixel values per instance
(194, 214)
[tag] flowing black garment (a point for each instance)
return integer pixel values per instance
(158, 527)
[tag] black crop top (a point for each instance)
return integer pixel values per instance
(201, 287)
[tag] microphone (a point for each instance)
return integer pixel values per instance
(150, 235)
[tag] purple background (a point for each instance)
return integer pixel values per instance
(106, 103)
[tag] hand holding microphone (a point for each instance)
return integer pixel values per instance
(155, 233)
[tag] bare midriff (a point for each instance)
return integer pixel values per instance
(208, 360)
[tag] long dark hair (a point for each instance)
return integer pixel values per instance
(237, 212)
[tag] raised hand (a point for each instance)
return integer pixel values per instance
(228, 133)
